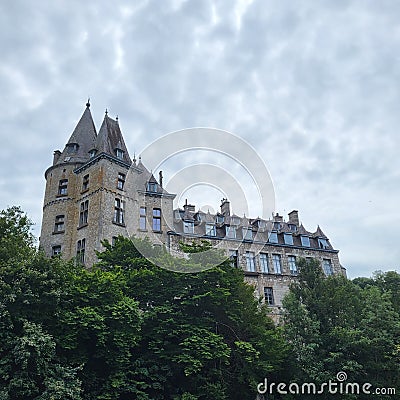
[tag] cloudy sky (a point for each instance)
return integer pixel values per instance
(313, 86)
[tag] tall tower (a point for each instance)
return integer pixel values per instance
(94, 192)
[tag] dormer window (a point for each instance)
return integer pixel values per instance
(152, 187)
(210, 230)
(92, 153)
(235, 220)
(288, 238)
(220, 219)
(261, 224)
(230, 232)
(305, 241)
(119, 153)
(277, 225)
(72, 147)
(273, 237)
(323, 243)
(292, 227)
(247, 234)
(188, 227)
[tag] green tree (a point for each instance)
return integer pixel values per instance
(204, 336)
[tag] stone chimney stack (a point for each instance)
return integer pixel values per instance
(278, 218)
(225, 207)
(56, 156)
(160, 178)
(189, 207)
(294, 218)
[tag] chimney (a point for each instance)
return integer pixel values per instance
(225, 207)
(56, 156)
(278, 218)
(160, 178)
(189, 207)
(294, 218)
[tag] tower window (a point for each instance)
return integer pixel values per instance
(276, 258)
(55, 251)
(121, 181)
(92, 153)
(119, 153)
(80, 251)
(85, 183)
(152, 187)
(292, 265)
(63, 187)
(72, 147)
(156, 219)
(119, 217)
(84, 213)
(269, 296)
(250, 261)
(264, 263)
(188, 227)
(59, 225)
(142, 221)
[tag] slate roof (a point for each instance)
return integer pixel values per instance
(110, 138)
(84, 136)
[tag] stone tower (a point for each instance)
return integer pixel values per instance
(94, 191)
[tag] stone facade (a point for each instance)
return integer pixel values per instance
(94, 191)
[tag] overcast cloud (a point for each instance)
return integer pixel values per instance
(312, 85)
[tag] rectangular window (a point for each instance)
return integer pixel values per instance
(210, 230)
(156, 219)
(85, 183)
(277, 225)
(188, 227)
(264, 263)
(80, 251)
(323, 243)
(121, 181)
(119, 153)
(250, 261)
(142, 218)
(273, 237)
(84, 213)
(292, 227)
(327, 266)
(114, 240)
(119, 212)
(233, 256)
(220, 219)
(269, 296)
(276, 258)
(63, 187)
(247, 234)
(292, 265)
(305, 241)
(59, 225)
(152, 187)
(288, 237)
(55, 251)
(230, 232)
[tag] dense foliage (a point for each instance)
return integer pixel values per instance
(128, 329)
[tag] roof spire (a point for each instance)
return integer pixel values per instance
(106, 111)
(88, 102)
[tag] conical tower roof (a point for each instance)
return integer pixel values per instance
(82, 140)
(110, 140)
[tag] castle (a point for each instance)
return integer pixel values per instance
(95, 191)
